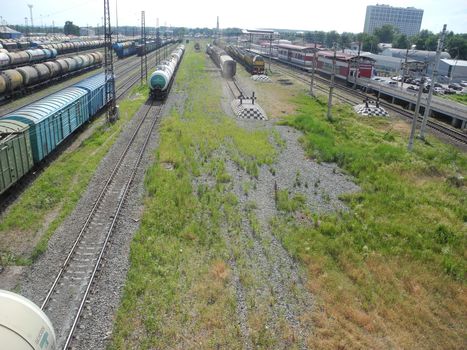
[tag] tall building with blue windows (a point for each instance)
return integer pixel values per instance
(408, 20)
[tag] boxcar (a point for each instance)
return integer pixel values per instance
(15, 152)
(53, 119)
(95, 86)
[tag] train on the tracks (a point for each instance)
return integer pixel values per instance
(153, 45)
(227, 64)
(252, 62)
(18, 58)
(23, 79)
(31, 133)
(347, 66)
(162, 78)
(125, 49)
(74, 46)
(130, 48)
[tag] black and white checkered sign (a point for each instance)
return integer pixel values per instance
(247, 110)
(370, 110)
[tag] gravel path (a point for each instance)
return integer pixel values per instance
(273, 288)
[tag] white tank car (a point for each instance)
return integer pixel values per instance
(23, 325)
(161, 78)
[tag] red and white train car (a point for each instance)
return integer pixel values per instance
(301, 56)
(346, 65)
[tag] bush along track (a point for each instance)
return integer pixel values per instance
(27, 226)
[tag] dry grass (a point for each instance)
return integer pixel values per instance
(426, 311)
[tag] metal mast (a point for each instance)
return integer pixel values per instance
(30, 16)
(434, 79)
(144, 61)
(331, 86)
(158, 41)
(112, 112)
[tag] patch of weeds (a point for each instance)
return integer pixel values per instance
(287, 204)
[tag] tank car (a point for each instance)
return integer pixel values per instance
(23, 325)
(162, 78)
(227, 65)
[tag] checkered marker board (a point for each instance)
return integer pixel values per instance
(371, 110)
(261, 78)
(247, 110)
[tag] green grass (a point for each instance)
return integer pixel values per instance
(177, 293)
(459, 98)
(394, 265)
(55, 193)
(383, 213)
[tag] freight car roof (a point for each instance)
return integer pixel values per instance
(9, 127)
(92, 83)
(36, 112)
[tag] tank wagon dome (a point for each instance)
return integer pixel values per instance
(23, 325)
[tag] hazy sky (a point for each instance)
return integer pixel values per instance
(343, 15)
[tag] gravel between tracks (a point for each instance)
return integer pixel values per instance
(276, 286)
(97, 320)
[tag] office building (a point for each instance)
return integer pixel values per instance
(407, 20)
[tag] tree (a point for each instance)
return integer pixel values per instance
(369, 42)
(401, 42)
(456, 45)
(345, 40)
(331, 38)
(70, 28)
(385, 34)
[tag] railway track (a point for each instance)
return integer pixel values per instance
(73, 282)
(358, 97)
(235, 88)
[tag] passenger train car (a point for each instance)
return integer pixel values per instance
(346, 65)
(30, 133)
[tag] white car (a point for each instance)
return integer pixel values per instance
(438, 90)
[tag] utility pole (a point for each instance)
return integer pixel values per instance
(158, 41)
(112, 111)
(434, 78)
(415, 116)
(144, 61)
(331, 87)
(313, 69)
(26, 25)
(30, 16)
(357, 71)
(116, 17)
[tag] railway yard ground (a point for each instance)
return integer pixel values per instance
(288, 233)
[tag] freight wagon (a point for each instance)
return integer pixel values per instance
(29, 134)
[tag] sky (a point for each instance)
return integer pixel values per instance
(343, 15)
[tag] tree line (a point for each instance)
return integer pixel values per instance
(455, 44)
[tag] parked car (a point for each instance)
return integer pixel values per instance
(455, 86)
(391, 82)
(413, 88)
(438, 91)
(463, 83)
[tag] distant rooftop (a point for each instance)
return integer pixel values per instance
(5, 29)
